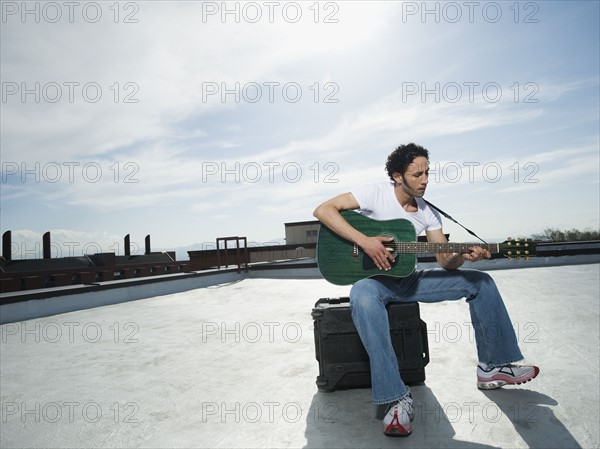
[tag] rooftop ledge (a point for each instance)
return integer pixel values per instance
(29, 304)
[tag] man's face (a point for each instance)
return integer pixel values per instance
(415, 178)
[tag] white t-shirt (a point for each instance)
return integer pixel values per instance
(378, 201)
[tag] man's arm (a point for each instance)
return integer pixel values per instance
(452, 261)
(328, 213)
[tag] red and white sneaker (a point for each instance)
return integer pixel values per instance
(492, 378)
(396, 422)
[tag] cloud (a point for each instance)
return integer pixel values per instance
(122, 84)
(164, 170)
(559, 168)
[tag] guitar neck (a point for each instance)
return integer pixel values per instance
(450, 247)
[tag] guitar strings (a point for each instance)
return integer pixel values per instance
(439, 247)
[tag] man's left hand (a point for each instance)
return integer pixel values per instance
(477, 253)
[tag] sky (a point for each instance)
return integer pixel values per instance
(190, 120)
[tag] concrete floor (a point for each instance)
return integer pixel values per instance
(233, 366)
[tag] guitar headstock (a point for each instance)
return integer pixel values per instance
(518, 248)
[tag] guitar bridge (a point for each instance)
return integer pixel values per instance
(355, 253)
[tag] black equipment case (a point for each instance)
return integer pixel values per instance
(343, 360)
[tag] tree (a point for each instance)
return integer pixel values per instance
(572, 235)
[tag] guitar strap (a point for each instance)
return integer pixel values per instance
(450, 218)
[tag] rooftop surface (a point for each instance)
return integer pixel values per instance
(233, 366)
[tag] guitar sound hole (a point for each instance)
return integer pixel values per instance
(368, 263)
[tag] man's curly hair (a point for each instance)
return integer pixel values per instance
(399, 160)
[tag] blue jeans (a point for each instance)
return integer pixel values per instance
(494, 334)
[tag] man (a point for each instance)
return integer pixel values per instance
(497, 348)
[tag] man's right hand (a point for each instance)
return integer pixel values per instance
(375, 248)
(328, 213)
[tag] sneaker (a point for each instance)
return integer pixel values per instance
(491, 378)
(398, 417)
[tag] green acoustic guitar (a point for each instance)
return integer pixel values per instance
(342, 262)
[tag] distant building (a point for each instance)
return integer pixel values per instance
(301, 232)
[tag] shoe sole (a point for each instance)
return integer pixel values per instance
(505, 380)
(397, 434)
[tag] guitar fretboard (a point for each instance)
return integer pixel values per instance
(450, 247)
